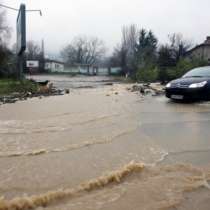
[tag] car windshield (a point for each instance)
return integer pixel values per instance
(199, 72)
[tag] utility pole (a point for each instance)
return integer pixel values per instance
(43, 49)
(42, 64)
(21, 39)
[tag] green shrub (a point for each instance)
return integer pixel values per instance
(8, 86)
(147, 74)
(184, 65)
(170, 73)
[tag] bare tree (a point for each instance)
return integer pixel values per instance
(4, 29)
(84, 50)
(129, 38)
(179, 45)
(4, 38)
(124, 53)
(33, 50)
(119, 57)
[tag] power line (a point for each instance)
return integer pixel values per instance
(9, 7)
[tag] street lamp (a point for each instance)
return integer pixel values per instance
(30, 10)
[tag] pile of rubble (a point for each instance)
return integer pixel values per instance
(153, 89)
(44, 89)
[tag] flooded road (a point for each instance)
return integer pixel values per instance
(104, 148)
(79, 81)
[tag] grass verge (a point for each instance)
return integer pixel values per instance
(8, 86)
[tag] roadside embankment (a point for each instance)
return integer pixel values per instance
(15, 90)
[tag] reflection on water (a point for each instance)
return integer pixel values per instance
(95, 149)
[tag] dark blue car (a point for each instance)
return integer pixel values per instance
(194, 85)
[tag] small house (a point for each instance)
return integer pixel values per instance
(54, 66)
(201, 51)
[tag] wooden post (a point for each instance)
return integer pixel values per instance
(88, 70)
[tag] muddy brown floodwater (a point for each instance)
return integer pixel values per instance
(104, 148)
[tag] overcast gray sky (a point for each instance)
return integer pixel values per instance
(64, 19)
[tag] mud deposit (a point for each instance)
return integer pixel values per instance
(95, 149)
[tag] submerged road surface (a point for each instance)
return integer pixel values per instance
(104, 148)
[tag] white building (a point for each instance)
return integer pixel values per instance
(54, 66)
